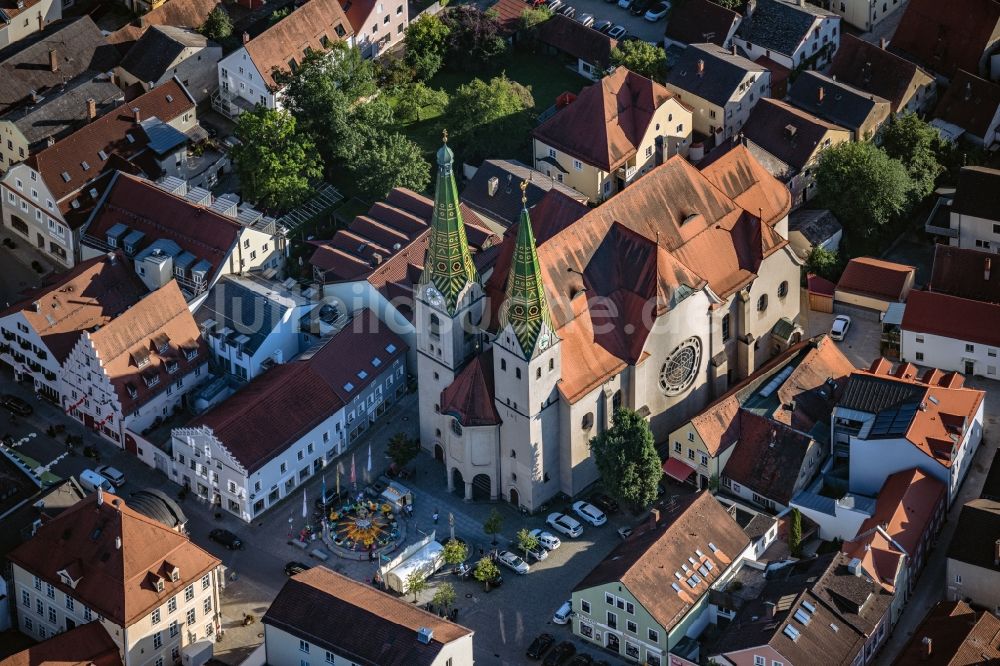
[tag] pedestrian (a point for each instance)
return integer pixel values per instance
(435, 516)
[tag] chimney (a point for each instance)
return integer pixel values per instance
(100, 496)
(820, 93)
(996, 553)
(928, 647)
(802, 3)
(91, 109)
(50, 141)
(967, 96)
(246, 37)
(986, 269)
(136, 114)
(701, 67)
(769, 608)
(654, 517)
(883, 43)
(492, 185)
(53, 60)
(112, 258)
(35, 97)
(734, 49)
(118, 543)
(41, 21)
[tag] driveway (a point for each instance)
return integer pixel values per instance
(637, 26)
(861, 345)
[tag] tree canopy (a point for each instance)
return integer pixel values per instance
(918, 146)
(641, 57)
(218, 25)
(274, 160)
(823, 263)
(486, 571)
(484, 115)
(392, 161)
(402, 449)
(627, 460)
(426, 45)
(493, 524)
(475, 41)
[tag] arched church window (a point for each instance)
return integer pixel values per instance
(435, 326)
(588, 421)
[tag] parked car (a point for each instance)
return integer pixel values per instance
(586, 20)
(605, 503)
(568, 11)
(548, 540)
(226, 538)
(840, 327)
(624, 533)
(16, 405)
(589, 513)
(617, 32)
(603, 26)
(560, 654)
(565, 524)
(563, 613)
(538, 553)
(582, 659)
(512, 561)
(555, 5)
(293, 568)
(112, 475)
(91, 481)
(540, 646)
(625, 4)
(656, 12)
(639, 7)
(330, 499)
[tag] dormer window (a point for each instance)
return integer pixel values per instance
(175, 574)
(133, 392)
(84, 165)
(65, 176)
(103, 155)
(152, 380)
(172, 367)
(191, 354)
(159, 584)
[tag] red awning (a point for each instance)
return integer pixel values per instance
(677, 469)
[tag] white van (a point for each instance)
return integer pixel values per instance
(91, 481)
(563, 613)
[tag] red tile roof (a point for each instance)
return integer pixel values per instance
(875, 70)
(952, 317)
(470, 397)
(966, 273)
(747, 182)
(307, 27)
(820, 285)
(948, 36)
(768, 457)
(108, 135)
(970, 102)
(877, 278)
(91, 295)
(178, 13)
(129, 346)
(115, 582)
(608, 120)
(509, 13)
(958, 635)
(86, 645)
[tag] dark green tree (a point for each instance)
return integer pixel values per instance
(486, 571)
(426, 45)
(863, 186)
(483, 116)
(392, 161)
(218, 25)
(918, 146)
(528, 25)
(275, 162)
(526, 541)
(493, 524)
(795, 534)
(416, 583)
(444, 595)
(823, 263)
(475, 41)
(413, 99)
(455, 552)
(641, 57)
(627, 460)
(402, 449)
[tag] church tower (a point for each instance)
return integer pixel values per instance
(448, 302)
(527, 364)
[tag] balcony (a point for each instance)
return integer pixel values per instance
(231, 106)
(939, 221)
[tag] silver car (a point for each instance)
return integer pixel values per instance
(560, 522)
(548, 540)
(512, 561)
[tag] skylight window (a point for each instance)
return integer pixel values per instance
(703, 570)
(348, 387)
(677, 588)
(803, 617)
(170, 98)
(712, 547)
(791, 632)
(65, 176)
(809, 607)
(84, 165)
(376, 361)
(391, 348)
(128, 135)
(103, 155)
(362, 374)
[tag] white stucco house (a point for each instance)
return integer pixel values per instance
(789, 32)
(951, 333)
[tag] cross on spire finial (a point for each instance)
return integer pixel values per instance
(524, 193)
(444, 135)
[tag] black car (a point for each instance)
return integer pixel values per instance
(605, 503)
(560, 654)
(639, 7)
(331, 499)
(15, 405)
(568, 11)
(293, 568)
(540, 646)
(226, 538)
(582, 659)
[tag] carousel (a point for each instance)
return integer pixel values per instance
(364, 525)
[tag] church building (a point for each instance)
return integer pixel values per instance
(657, 300)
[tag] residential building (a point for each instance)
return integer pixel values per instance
(49, 197)
(164, 52)
(864, 14)
(21, 18)
(252, 324)
(21, 523)
(316, 617)
(953, 634)
(951, 333)
(153, 591)
(134, 371)
(657, 587)
(812, 228)
(699, 22)
(872, 284)
(494, 192)
(889, 420)
(970, 108)
(40, 332)
(44, 61)
(614, 132)
(973, 569)
(87, 644)
(792, 33)
(247, 75)
(378, 25)
(877, 71)
(810, 375)
(171, 234)
(25, 131)
(792, 140)
(721, 88)
(326, 399)
(970, 219)
(586, 51)
(965, 274)
(841, 104)
(945, 38)
(190, 14)
(822, 606)
(705, 248)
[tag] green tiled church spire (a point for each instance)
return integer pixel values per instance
(449, 264)
(525, 308)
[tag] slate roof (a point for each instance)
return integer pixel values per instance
(156, 504)
(877, 71)
(116, 583)
(328, 609)
(24, 65)
(722, 75)
(966, 273)
(647, 561)
(505, 204)
(952, 317)
(767, 458)
(841, 104)
(154, 52)
(960, 636)
(976, 535)
(608, 120)
(949, 36)
(976, 194)
(242, 306)
(470, 397)
(699, 21)
(874, 277)
(577, 40)
(61, 112)
(86, 645)
(816, 225)
(780, 25)
(969, 102)
(768, 126)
